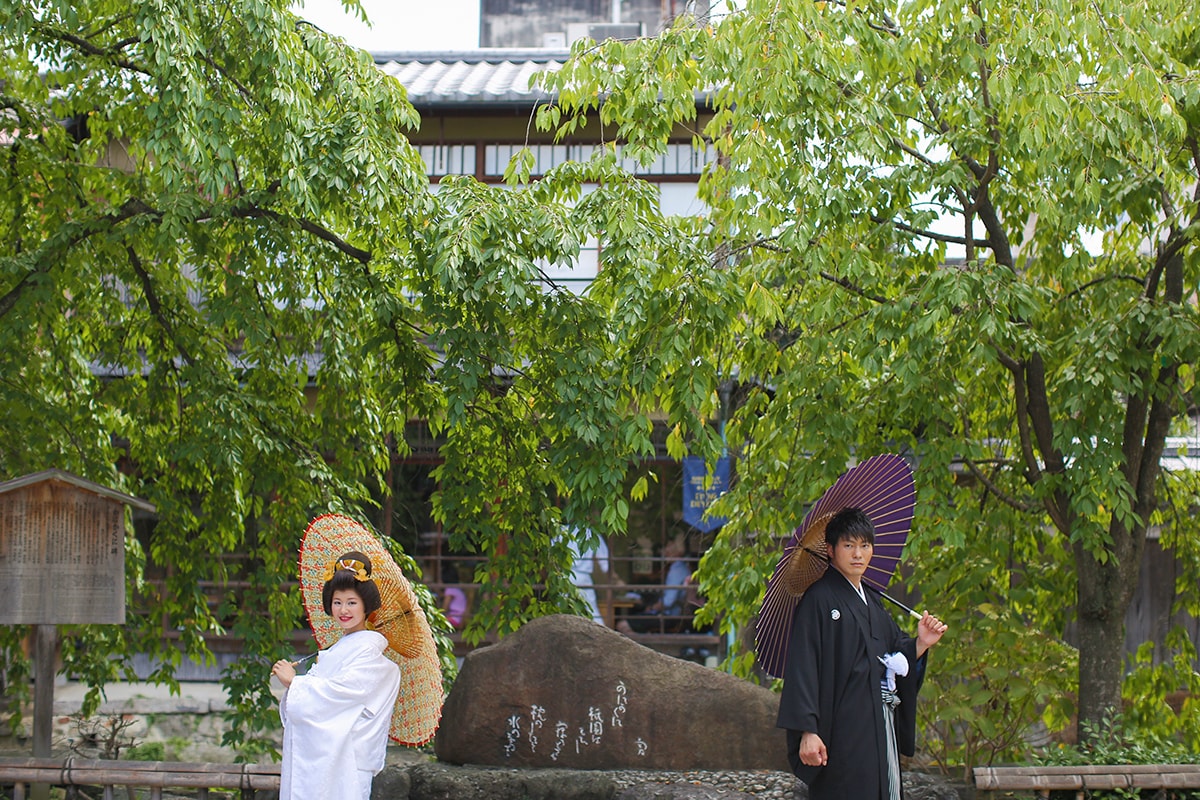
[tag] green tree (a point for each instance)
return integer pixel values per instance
(225, 286)
(966, 230)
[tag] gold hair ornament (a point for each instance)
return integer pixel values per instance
(350, 564)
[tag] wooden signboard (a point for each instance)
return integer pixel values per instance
(62, 562)
(62, 551)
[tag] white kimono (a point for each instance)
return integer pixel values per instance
(336, 720)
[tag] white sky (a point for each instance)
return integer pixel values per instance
(399, 24)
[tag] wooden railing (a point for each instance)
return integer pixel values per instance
(670, 632)
(21, 774)
(1087, 779)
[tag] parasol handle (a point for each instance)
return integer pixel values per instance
(886, 596)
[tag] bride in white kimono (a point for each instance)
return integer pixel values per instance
(336, 717)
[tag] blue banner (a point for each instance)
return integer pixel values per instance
(697, 498)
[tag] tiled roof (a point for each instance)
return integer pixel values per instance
(471, 77)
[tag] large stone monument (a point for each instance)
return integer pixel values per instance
(566, 692)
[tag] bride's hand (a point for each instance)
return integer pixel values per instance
(285, 671)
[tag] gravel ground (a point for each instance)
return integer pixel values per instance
(760, 783)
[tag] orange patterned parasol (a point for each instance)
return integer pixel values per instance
(400, 619)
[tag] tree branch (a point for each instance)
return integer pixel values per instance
(982, 203)
(110, 54)
(933, 235)
(308, 226)
(985, 96)
(852, 287)
(1078, 290)
(1161, 407)
(725, 252)
(155, 304)
(242, 89)
(1166, 252)
(916, 154)
(49, 254)
(941, 125)
(1194, 148)
(1033, 470)
(71, 234)
(996, 491)
(18, 211)
(1033, 423)
(1043, 430)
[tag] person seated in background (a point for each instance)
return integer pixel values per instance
(454, 599)
(670, 606)
(679, 576)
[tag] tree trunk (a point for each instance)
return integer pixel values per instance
(1105, 591)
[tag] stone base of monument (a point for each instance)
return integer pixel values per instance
(434, 781)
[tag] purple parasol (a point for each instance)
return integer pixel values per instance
(883, 487)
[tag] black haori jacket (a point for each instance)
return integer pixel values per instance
(832, 686)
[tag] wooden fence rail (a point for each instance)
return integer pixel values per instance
(155, 775)
(1087, 778)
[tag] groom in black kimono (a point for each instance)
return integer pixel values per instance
(848, 714)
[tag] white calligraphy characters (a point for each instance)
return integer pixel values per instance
(588, 734)
(619, 708)
(560, 738)
(514, 734)
(537, 716)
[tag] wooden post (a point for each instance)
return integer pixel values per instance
(46, 653)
